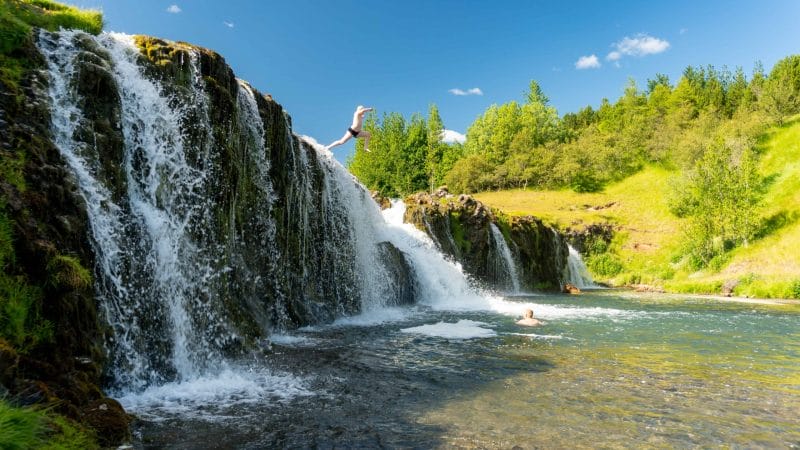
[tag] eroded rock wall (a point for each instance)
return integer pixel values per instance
(461, 227)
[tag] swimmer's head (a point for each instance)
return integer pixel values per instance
(529, 313)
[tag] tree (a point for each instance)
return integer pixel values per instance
(781, 94)
(659, 80)
(720, 196)
(436, 148)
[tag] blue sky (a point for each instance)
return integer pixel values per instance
(320, 59)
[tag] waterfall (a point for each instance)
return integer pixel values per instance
(443, 284)
(212, 229)
(578, 274)
(157, 276)
(509, 267)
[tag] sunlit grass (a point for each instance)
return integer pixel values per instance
(647, 233)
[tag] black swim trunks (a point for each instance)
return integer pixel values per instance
(353, 132)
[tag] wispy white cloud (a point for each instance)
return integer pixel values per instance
(587, 62)
(227, 24)
(639, 45)
(174, 9)
(473, 91)
(684, 30)
(451, 136)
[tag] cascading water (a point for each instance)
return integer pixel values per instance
(217, 228)
(509, 267)
(443, 284)
(578, 273)
(158, 278)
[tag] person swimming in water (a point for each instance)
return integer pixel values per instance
(355, 130)
(528, 320)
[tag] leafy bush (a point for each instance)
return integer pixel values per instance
(604, 265)
(718, 262)
(795, 289)
(720, 196)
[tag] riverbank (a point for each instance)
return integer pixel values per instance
(644, 293)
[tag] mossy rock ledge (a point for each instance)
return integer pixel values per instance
(460, 226)
(57, 360)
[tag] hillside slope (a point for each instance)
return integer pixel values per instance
(648, 237)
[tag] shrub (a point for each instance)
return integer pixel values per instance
(795, 289)
(605, 265)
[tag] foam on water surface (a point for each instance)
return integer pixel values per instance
(463, 329)
(212, 397)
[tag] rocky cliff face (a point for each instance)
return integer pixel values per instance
(164, 218)
(60, 358)
(472, 234)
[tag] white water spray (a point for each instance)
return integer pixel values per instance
(509, 267)
(578, 273)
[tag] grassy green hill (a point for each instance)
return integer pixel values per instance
(648, 237)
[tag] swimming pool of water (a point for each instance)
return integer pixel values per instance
(608, 369)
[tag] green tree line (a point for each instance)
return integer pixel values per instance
(405, 155)
(705, 127)
(527, 144)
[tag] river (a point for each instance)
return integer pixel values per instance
(608, 369)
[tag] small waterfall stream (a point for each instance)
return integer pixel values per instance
(509, 267)
(578, 273)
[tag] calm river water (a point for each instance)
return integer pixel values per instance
(608, 369)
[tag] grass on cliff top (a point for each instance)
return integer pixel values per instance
(19, 17)
(648, 235)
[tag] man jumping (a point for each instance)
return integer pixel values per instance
(355, 130)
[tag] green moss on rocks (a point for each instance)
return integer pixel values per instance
(458, 233)
(20, 318)
(171, 60)
(67, 272)
(50, 336)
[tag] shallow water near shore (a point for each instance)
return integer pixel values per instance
(606, 370)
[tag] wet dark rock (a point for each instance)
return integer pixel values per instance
(9, 361)
(107, 417)
(585, 239)
(48, 218)
(460, 226)
(404, 287)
